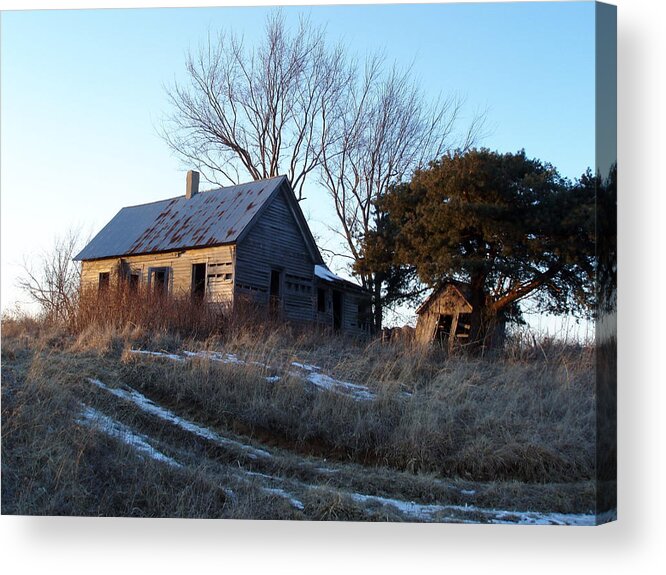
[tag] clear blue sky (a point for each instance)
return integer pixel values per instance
(82, 92)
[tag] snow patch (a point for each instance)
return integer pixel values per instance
(324, 273)
(112, 428)
(286, 495)
(323, 381)
(312, 372)
(148, 406)
(305, 366)
(427, 512)
(215, 356)
(172, 356)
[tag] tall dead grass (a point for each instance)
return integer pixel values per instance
(528, 416)
(121, 308)
(52, 464)
(528, 420)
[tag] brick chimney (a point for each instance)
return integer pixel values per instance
(192, 188)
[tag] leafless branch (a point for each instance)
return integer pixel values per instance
(257, 112)
(53, 279)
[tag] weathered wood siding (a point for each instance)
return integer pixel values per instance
(448, 302)
(219, 270)
(275, 243)
(426, 326)
(352, 301)
(351, 321)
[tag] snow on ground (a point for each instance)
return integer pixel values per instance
(93, 418)
(286, 495)
(437, 512)
(410, 509)
(321, 380)
(307, 372)
(148, 406)
(216, 356)
(173, 356)
(452, 513)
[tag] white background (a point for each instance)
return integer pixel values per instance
(634, 544)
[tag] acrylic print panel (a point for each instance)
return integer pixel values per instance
(337, 272)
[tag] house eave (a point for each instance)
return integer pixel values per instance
(156, 253)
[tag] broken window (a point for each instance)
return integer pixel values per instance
(104, 281)
(158, 280)
(133, 282)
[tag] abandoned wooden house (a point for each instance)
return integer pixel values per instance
(248, 242)
(445, 318)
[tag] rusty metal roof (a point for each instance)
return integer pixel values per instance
(207, 219)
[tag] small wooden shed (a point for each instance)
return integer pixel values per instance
(445, 316)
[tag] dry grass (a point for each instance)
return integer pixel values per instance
(523, 425)
(121, 309)
(475, 419)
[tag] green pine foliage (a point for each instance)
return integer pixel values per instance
(509, 226)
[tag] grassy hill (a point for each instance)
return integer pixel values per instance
(269, 422)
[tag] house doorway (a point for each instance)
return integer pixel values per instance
(198, 281)
(337, 310)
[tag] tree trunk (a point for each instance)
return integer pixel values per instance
(479, 327)
(378, 307)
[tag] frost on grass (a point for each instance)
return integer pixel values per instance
(148, 406)
(96, 419)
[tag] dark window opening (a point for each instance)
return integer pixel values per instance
(444, 328)
(464, 326)
(446, 325)
(363, 311)
(337, 310)
(198, 281)
(321, 300)
(133, 282)
(159, 280)
(104, 281)
(274, 290)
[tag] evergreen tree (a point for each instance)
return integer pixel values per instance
(508, 226)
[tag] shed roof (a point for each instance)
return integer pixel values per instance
(457, 288)
(208, 218)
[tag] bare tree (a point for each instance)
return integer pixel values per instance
(54, 282)
(293, 105)
(385, 130)
(258, 112)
